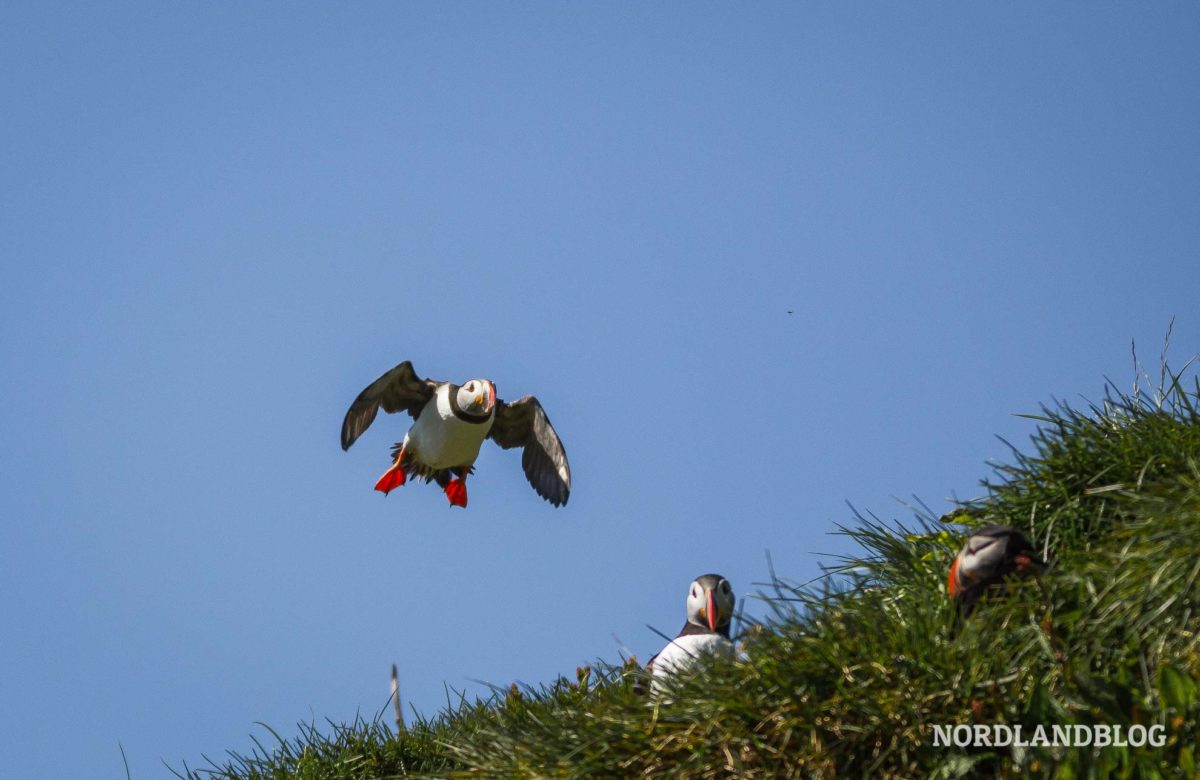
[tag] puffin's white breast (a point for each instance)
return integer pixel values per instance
(683, 652)
(441, 440)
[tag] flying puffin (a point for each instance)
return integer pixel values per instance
(710, 603)
(451, 422)
(991, 554)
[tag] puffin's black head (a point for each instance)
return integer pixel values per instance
(990, 554)
(477, 397)
(710, 603)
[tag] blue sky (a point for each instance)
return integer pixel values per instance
(756, 261)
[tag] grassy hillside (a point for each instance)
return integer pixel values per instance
(848, 677)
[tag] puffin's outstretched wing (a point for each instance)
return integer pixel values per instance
(523, 423)
(398, 390)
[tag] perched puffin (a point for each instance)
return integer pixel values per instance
(710, 603)
(451, 422)
(991, 554)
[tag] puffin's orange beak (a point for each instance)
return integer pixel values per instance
(491, 395)
(952, 584)
(712, 612)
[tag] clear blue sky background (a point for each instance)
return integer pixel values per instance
(219, 222)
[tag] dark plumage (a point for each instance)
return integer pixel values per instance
(399, 390)
(524, 423)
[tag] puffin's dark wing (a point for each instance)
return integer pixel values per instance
(398, 390)
(523, 423)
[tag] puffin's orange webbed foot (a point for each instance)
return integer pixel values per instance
(393, 477)
(456, 491)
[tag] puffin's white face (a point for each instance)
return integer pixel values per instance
(990, 553)
(710, 601)
(980, 556)
(477, 397)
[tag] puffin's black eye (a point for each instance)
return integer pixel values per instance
(725, 586)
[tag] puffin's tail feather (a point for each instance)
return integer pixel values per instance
(391, 479)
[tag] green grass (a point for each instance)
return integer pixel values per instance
(846, 677)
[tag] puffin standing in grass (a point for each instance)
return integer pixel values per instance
(710, 603)
(451, 422)
(991, 554)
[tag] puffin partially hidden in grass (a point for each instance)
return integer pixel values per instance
(990, 555)
(451, 422)
(709, 611)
